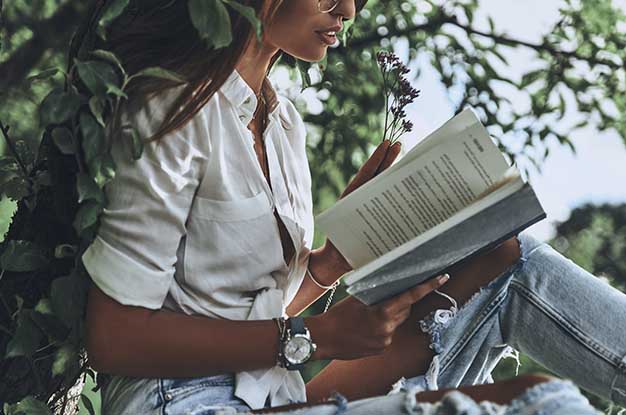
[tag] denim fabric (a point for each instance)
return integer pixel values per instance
(171, 396)
(545, 306)
(557, 397)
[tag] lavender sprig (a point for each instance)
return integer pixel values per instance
(399, 91)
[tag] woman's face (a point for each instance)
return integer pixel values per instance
(301, 30)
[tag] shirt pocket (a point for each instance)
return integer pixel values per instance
(231, 210)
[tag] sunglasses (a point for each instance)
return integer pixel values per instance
(326, 6)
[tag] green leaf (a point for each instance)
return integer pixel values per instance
(102, 169)
(109, 57)
(8, 164)
(137, 146)
(16, 188)
(87, 404)
(97, 76)
(162, 73)
(24, 152)
(304, 73)
(45, 319)
(86, 216)
(346, 33)
(27, 337)
(96, 106)
(22, 256)
(113, 10)
(249, 13)
(88, 189)
(57, 107)
(64, 140)
(30, 406)
(114, 90)
(212, 21)
(43, 306)
(93, 142)
(45, 74)
(65, 358)
(67, 298)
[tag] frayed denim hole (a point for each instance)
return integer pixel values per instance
(411, 406)
(398, 386)
(340, 402)
(438, 320)
(511, 353)
(456, 402)
(433, 324)
(537, 394)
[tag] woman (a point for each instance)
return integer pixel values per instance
(205, 247)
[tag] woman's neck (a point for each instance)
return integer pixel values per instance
(254, 64)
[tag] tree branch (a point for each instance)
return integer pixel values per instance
(537, 47)
(441, 19)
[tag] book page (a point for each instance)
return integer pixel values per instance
(448, 174)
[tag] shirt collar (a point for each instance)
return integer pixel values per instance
(243, 98)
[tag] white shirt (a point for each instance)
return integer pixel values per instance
(190, 225)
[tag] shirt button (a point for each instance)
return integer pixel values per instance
(242, 117)
(168, 396)
(247, 101)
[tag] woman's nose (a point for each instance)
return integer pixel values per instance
(346, 9)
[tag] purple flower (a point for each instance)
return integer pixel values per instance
(399, 91)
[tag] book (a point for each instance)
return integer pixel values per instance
(451, 197)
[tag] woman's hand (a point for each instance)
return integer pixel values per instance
(383, 157)
(351, 329)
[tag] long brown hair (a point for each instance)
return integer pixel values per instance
(160, 33)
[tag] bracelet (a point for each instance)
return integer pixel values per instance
(324, 287)
(282, 327)
(282, 331)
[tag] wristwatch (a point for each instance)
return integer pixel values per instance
(297, 346)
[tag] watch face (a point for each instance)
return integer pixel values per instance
(298, 349)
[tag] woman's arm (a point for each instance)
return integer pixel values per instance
(137, 341)
(141, 342)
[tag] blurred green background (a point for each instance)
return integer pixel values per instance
(547, 78)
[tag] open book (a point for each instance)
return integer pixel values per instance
(450, 197)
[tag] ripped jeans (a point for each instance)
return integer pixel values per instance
(544, 305)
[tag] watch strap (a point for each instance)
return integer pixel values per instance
(296, 325)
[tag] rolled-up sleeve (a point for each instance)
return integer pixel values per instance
(133, 255)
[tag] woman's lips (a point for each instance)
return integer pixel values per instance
(326, 38)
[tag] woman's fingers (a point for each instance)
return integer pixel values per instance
(391, 156)
(413, 295)
(369, 169)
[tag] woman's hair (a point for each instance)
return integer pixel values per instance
(160, 33)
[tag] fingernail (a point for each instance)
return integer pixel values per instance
(442, 279)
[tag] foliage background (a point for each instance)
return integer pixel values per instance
(580, 61)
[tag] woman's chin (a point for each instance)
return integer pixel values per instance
(311, 55)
